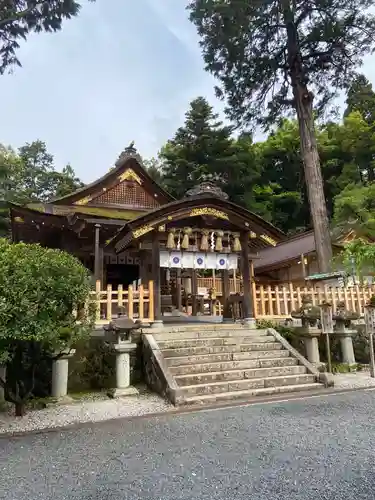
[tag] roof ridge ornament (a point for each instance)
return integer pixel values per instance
(129, 151)
(208, 186)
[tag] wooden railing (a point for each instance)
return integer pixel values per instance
(268, 301)
(280, 301)
(137, 303)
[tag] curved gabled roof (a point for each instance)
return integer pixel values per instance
(129, 159)
(204, 204)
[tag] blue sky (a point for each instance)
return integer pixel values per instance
(123, 70)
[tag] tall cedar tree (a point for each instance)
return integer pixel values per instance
(201, 149)
(271, 55)
(19, 18)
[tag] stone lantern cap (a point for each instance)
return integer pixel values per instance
(122, 326)
(307, 310)
(343, 314)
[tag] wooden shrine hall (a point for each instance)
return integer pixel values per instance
(128, 231)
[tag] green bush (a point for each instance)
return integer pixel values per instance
(39, 290)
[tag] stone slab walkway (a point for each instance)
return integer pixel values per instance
(145, 403)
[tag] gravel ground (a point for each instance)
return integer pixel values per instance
(84, 411)
(145, 403)
(357, 380)
(314, 449)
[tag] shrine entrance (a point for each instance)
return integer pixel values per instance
(201, 235)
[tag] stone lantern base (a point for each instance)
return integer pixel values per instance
(310, 335)
(123, 388)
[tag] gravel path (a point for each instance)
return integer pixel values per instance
(315, 449)
(145, 403)
(84, 411)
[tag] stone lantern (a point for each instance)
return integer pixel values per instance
(309, 331)
(123, 346)
(342, 330)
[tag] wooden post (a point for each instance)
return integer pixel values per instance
(156, 276)
(245, 268)
(109, 302)
(120, 296)
(194, 292)
(141, 303)
(97, 264)
(130, 302)
(97, 298)
(327, 328)
(151, 309)
(179, 290)
(226, 294)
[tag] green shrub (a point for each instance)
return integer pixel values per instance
(39, 290)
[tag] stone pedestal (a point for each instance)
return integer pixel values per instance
(2, 376)
(346, 344)
(310, 335)
(60, 370)
(123, 387)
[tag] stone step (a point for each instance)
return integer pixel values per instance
(226, 356)
(246, 384)
(247, 394)
(204, 378)
(207, 367)
(212, 341)
(204, 333)
(216, 349)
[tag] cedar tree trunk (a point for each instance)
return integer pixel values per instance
(303, 101)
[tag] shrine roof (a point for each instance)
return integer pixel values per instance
(203, 203)
(128, 167)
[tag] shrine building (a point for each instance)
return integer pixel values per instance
(127, 230)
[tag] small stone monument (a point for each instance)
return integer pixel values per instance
(122, 328)
(309, 331)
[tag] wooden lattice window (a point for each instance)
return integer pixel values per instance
(127, 193)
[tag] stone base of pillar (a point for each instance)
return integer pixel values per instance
(126, 391)
(60, 370)
(312, 349)
(250, 323)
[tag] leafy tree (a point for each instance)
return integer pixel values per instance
(154, 169)
(354, 208)
(19, 18)
(29, 175)
(276, 55)
(282, 186)
(200, 148)
(361, 97)
(39, 290)
(358, 257)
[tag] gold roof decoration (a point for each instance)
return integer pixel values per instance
(129, 174)
(83, 201)
(208, 211)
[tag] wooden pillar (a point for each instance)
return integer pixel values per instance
(156, 277)
(245, 270)
(226, 294)
(194, 286)
(97, 254)
(178, 290)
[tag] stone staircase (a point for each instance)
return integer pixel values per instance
(202, 364)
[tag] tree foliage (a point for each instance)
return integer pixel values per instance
(276, 55)
(39, 290)
(20, 18)
(28, 175)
